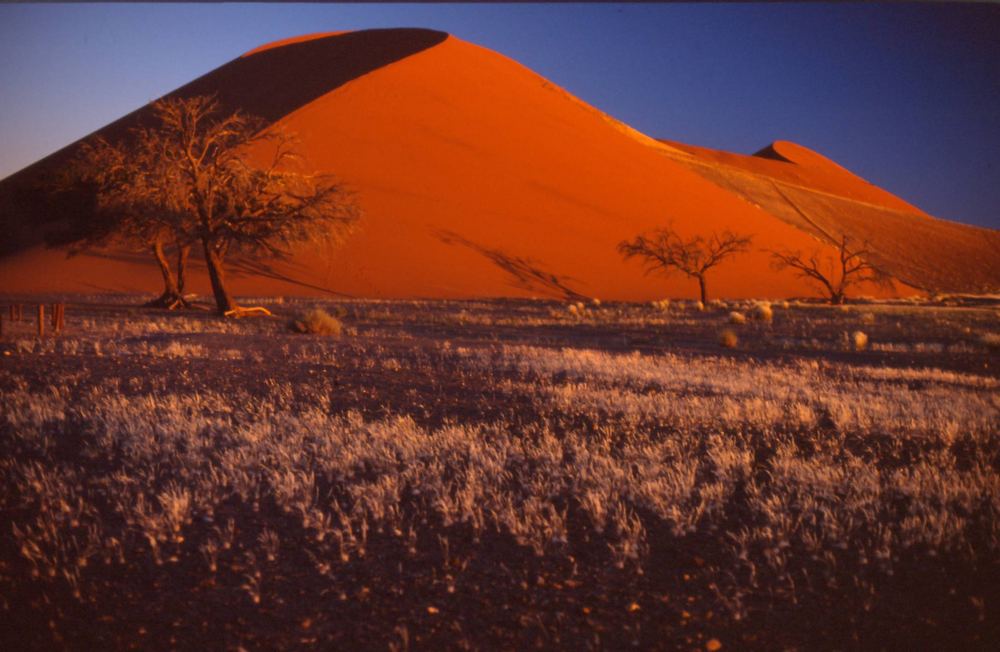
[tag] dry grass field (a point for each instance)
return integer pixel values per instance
(503, 475)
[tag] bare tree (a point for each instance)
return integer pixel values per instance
(191, 173)
(132, 207)
(664, 250)
(835, 276)
(234, 205)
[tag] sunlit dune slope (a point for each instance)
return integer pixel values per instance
(479, 178)
(815, 194)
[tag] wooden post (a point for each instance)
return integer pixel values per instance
(41, 320)
(54, 318)
(62, 317)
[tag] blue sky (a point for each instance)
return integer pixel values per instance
(906, 95)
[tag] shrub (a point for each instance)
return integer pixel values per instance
(662, 304)
(317, 322)
(728, 339)
(762, 312)
(859, 340)
(737, 318)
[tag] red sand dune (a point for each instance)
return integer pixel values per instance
(479, 178)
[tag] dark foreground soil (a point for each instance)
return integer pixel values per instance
(451, 585)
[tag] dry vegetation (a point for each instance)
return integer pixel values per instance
(505, 474)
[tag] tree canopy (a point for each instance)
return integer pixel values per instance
(664, 250)
(835, 276)
(190, 177)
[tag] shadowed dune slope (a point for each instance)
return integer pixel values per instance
(480, 178)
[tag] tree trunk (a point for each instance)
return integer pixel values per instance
(704, 292)
(836, 298)
(217, 275)
(182, 255)
(171, 295)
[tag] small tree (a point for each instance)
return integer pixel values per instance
(835, 276)
(664, 250)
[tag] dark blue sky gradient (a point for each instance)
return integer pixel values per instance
(906, 95)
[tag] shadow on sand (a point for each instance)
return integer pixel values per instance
(525, 273)
(236, 266)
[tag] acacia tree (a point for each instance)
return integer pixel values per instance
(664, 250)
(233, 205)
(850, 268)
(132, 207)
(192, 170)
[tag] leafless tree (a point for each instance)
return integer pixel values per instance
(834, 276)
(132, 207)
(664, 250)
(192, 172)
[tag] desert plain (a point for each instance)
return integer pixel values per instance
(503, 474)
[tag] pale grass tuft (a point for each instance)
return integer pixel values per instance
(728, 339)
(859, 340)
(318, 322)
(762, 312)
(737, 318)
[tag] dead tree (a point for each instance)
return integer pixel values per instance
(850, 268)
(664, 250)
(229, 204)
(133, 207)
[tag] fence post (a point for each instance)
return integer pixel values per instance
(41, 320)
(62, 317)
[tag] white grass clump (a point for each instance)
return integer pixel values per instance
(728, 339)
(859, 340)
(762, 312)
(737, 318)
